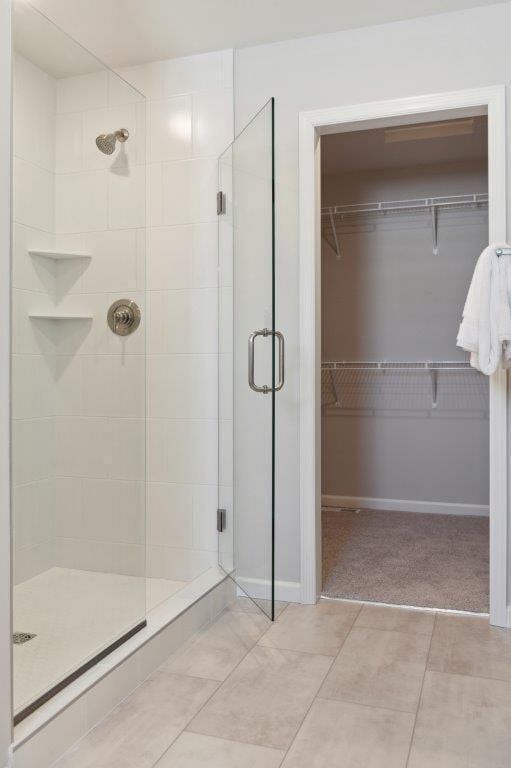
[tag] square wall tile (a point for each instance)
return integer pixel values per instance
(169, 129)
(182, 322)
(205, 255)
(32, 273)
(115, 263)
(213, 121)
(205, 504)
(182, 451)
(33, 196)
(81, 202)
(189, 191)
(69, 143)
(121, 91)
(83, 447)
(182, 386)
(33, 386)
(127, 198)
(146, 78)
(82, 93)
(33, 450)
(169, 257)
(169, 515)
(128, 449)
(34, 93)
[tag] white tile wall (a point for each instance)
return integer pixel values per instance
(91, 385)
(79, 393)
(33, 359)
(189, 123)
(82, 93)
(100, 378)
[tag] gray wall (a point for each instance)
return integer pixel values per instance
(390, 297)
(439, 53)
(5, 270)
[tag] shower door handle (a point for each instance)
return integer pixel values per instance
(265, 389)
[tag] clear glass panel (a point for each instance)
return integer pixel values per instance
(246, 247)
(78, 409)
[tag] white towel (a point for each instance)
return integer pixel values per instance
(485, 330)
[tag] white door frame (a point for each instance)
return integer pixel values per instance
(490, 101)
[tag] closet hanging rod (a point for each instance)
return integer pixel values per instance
(331, 214)
(415, 205)
(503, 251)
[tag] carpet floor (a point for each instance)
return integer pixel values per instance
(406, 558)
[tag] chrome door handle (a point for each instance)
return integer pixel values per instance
(265, 389)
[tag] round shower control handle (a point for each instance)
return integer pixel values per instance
(124, 317)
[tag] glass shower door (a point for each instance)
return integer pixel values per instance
(251, 367)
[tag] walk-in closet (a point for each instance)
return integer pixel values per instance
(405, 432)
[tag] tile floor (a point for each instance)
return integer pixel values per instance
(336, 685)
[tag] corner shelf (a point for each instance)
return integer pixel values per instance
(61, 255)
(48, 316)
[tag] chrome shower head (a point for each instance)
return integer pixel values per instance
(105, 142)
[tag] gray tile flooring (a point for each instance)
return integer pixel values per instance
(336, 685)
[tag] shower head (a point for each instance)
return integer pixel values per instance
(105, 142)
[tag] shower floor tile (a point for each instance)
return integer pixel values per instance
(74, 614)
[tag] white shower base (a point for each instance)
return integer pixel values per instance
(74, 614)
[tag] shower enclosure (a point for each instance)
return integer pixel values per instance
(78, 360)
(105, 531)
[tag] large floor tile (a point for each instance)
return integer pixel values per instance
(139, 731)
(214, 652)
(320, 628)
(379, 668)
(398, 619)
(191, 750)
(247, 605)
(265, 699)
(340, 735)
(468, 645)
(463, 722)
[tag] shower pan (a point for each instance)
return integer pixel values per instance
(78, 383)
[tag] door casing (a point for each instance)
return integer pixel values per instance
(490, 101)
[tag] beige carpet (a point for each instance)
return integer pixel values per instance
(406, 558)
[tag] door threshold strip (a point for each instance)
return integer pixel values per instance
(453, 611)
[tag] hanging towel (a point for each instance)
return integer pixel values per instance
(485, 330)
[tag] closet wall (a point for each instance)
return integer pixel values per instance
(389, 297)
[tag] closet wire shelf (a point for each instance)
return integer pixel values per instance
(355, 385)
(333, 216)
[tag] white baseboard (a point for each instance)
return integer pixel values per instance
(287, 591)
(406, 505)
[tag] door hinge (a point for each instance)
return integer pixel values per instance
(220, 203)
(221, 515)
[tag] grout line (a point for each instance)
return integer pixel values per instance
(313, 701)
(217, 689)
(363, 704)
(317, 696)
(420, 694)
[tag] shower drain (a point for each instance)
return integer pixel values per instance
(18, 638)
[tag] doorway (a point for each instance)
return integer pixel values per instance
(366, 439)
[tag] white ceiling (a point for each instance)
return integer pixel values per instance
(367, 150)
(123, 32)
